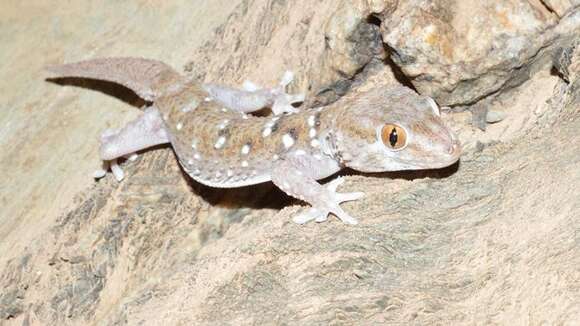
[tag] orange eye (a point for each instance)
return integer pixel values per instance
(393, 136)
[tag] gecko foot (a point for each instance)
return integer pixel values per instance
(282, 100)
(321, 214)
(115, 168)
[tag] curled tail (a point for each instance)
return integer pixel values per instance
(148, 78)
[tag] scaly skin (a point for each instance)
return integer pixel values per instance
(219, 145)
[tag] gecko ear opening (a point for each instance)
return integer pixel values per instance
(394, 137)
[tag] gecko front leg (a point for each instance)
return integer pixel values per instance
(291, 177)
(253, 98)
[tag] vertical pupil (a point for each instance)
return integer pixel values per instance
(393, 137)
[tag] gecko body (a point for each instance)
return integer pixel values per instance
(220, 145)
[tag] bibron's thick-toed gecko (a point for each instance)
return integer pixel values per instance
(220, 145)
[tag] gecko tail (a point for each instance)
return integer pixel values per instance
(147, 78)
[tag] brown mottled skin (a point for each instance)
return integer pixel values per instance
(218, 144)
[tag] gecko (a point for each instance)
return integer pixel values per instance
(219, 144)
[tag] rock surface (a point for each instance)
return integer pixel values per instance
(492, 240)
(461, 51)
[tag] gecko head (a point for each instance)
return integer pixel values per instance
(394, 129)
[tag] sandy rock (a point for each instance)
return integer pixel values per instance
(460, 52)
(490, 240)
(560, 7)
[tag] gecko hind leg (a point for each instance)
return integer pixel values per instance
(146, 131)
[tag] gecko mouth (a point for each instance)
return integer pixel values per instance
(442, 158)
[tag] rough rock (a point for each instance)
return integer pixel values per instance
(462, 51)
(560, 7)
(491, 240)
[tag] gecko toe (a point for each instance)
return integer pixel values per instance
(349, 196)
(333, 185)
(282, 106)
(99, 174)
(345, 217)
(287, 78)
(309, 215)
(117, 171)
(296, 98)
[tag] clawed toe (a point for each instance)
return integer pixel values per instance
(309, 215)
(287, 78)
(115, 168)
(282, 106)
(333, 185)
(342, 197)
(117, 171)
(296, 98)
(349, 196)
(321, 215)
(283, 101)
(345, 217)
(317, 215)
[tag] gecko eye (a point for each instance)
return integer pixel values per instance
(393, 136)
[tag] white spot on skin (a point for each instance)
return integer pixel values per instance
(245, 149)
(314, 143)
(207, 99)
(218, 174)
(268, 127)
(245, 164)
(197, 156)
(179, 126)
(190, 162)
(220, 142)
(197, 171)
(287, 140)
(189, 107)
(224, 110)
(230, 173)
(275, 157)
(266, 132)
(312, 133)
(224, 124)
(193, 144)
(244, 116)
(311, 121)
